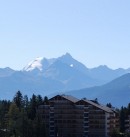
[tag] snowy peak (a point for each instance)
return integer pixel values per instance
(35, 64)
(42, 64)
(64, 73)
(39, 63)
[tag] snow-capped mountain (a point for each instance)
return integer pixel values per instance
(53, 68)
(39, 63)
(43, 64)
(46, 76)
(64, 69)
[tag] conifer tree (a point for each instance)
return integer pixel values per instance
(18, 100)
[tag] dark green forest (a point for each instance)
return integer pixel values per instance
(19, 118)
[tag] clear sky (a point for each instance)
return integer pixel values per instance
(95, 32)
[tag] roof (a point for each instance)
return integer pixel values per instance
(74, 100)
(68, 97)
(104, 108)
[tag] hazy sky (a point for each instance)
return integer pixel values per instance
(95, 32)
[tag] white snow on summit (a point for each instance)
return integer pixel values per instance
(37, 63)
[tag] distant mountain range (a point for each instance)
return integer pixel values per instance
(47, 76)
(116, 92)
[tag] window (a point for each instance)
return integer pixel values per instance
(85, 114)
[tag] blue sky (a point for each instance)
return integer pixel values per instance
(95, 32)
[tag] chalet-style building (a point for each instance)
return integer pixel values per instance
(66, 116)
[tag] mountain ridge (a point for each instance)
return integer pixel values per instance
(47, 76)
(116, 92)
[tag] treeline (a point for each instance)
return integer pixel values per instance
(124, 114)
(18, 118)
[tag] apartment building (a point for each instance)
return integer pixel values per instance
(127, 124)
(67, 116)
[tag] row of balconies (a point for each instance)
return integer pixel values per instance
(69, 121)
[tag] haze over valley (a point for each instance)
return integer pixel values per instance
(60, 75)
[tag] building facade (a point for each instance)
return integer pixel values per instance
(66, 116)
(127, 124)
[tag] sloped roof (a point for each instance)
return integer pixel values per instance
(105, 108)
(102, 107)
(75, 100)
(68, 97)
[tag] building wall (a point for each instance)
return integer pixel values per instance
(65, 118)
(127, 124)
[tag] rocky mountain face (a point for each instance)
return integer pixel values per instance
(46, 76)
